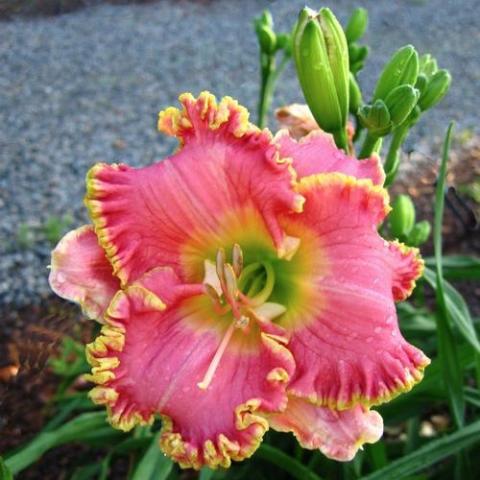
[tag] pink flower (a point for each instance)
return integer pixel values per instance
(242, 284)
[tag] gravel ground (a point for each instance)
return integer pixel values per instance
(86, 87)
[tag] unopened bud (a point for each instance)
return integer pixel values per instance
(402, 216)
(419, 234)
(357, 24)
(400, 102)
(321, 58)
(284, 42)
(355, 95)
(357, 55)
(421, 83)
(266, 38)
(376, 118)
(402, 69)
(436, 89)
(428, 65)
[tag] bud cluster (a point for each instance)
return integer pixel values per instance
(402, 223)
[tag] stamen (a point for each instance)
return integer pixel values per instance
(231, 289)
(207, 379)
(220, 262)
(237, 259)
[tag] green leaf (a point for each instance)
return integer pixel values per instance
(285, 462)
(472, 396)
(461, 267)
(206, 474)
(154, 465)
(414, 320)
(457, 309)
(447, 349)
(87, 472)
(83, 427)
(5, 473)
(429, 454)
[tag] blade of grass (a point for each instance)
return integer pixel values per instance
(154, 465)
(453, 375)
(429, 454)
(457, 309)
(458, 267)
(5, 473)
(285, 462)
(83, 426)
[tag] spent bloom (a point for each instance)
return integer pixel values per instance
(242, 284)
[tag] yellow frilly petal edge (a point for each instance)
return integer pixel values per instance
(375, 193)
(179, 123)
(122, 414)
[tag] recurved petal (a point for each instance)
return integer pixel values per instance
(317, 153)
(345, 338)
(337, 434)
(81, 272)
(407, 267)
(170, 213)
(159, 342)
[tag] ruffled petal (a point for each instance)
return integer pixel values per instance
(81, 272)
(157, 345)
(407, 266)
(171, 212)
(297, 119)
(337, 434)
(317, 153)
(345, 338)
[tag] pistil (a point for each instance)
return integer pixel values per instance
(242, 291)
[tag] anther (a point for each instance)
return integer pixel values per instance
(237, 259)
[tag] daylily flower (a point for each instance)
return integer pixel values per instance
(298, 120)
(242, 284)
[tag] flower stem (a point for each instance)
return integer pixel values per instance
(392, 161)
(370, 145)
(270, 74)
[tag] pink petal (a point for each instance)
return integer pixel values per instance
(345, 340)
(338, 434)
(407, 267)
(80, 272)
(157, 345)
(171, 213)
(317, 153)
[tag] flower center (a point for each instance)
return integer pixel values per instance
(243, 292)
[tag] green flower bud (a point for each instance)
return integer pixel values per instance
(357, 24)
(428, 65)
(355, 95)
(419, 234)
(400, 70)
(402, 216)
(400, 102)
(421, 83)
(266, 38)
(266, 19)
(414, 116)
(376, 118)
(357, 55)
(437, 88)
(321, 58)
(284, 42)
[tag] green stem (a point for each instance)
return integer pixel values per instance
(340, 137)
(369, 146)
(270, 75)
(392, 161)
(285, 462)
